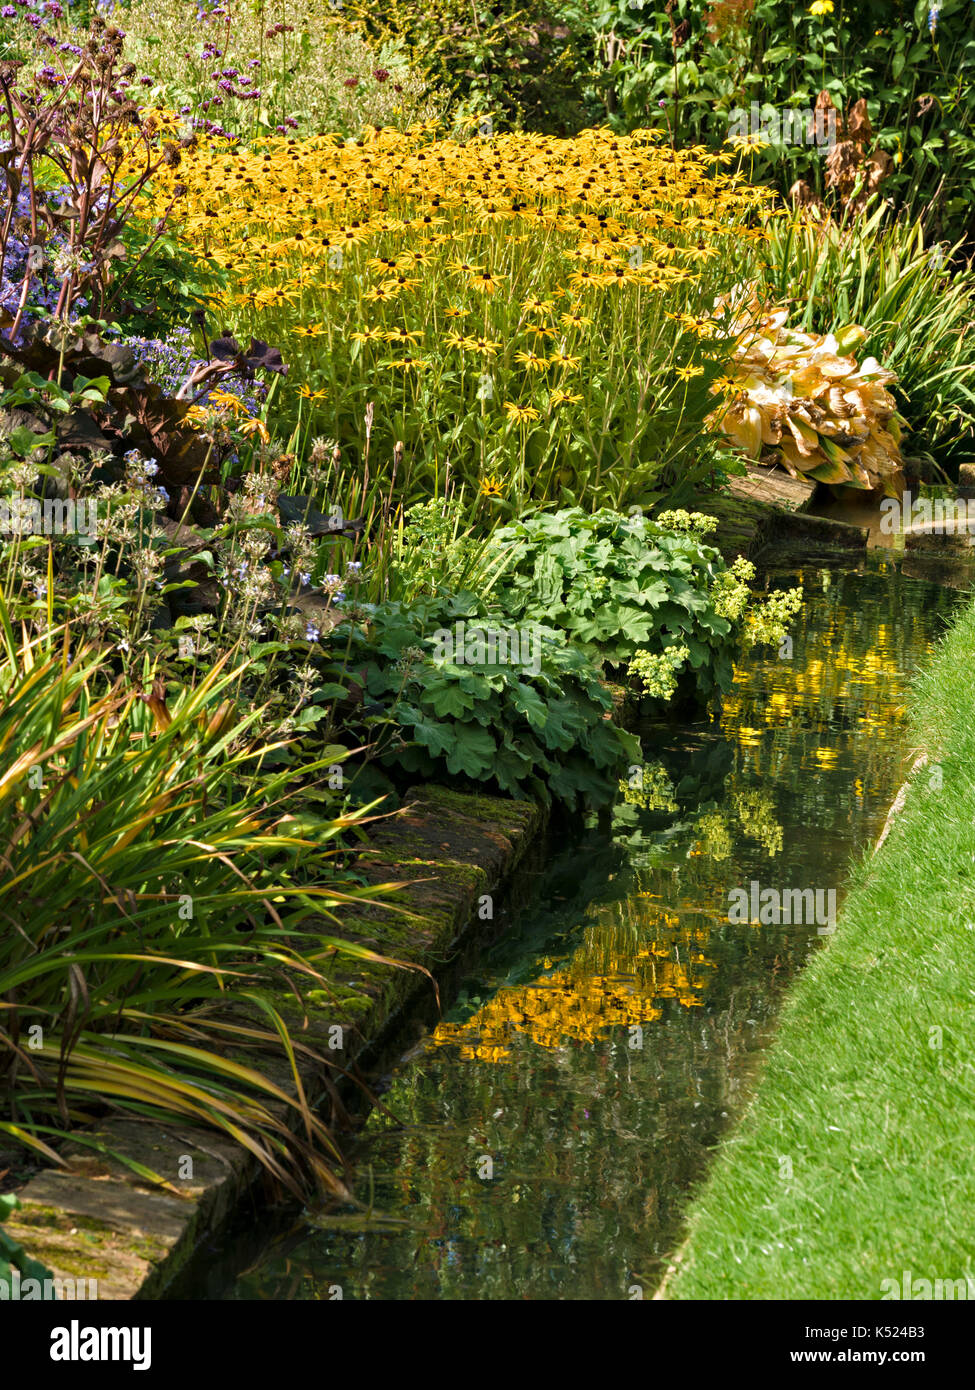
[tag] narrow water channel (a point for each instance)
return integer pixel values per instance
(542, 1141)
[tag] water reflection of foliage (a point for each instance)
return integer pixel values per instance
(636, 955)
(715, 803)
(750, 812)
(596, 1142)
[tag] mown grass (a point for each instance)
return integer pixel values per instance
(868, 1089)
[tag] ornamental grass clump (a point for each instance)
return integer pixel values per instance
(156, 874)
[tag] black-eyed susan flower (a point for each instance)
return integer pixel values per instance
(520, 414)
(487, 347)
(486, 281)
(532, 361)
(584, 279)
(405, 364)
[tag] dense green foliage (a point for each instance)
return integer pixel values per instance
(689, 67)
(648, 595)
(535, 725)
(618, 583)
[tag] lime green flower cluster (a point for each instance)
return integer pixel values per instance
(698, 523)
(769, 622)
(657, 671)
(730, 592)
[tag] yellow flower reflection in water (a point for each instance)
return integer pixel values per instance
(789, 719)
(618, 978)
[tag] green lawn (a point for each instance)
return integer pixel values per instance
(868, 1093)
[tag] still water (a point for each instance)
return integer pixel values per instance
(542, 1141)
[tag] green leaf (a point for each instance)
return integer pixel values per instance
(448, 699)
(473, 752)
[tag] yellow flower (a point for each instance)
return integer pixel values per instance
(559, 397)
(564, 359)
(226, 401)
(487, 346)
(405, 364)
(725, 384)
(255, 426)
(402, 281)
(685, 373)
(821, 7)
(532, 361)
(486, 281)
(311, 395)
(520, 414)
(582, 278)
(622, 275)
(490, 487)
(368, 335)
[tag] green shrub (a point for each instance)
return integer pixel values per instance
(631, 590)
(914, 73)
(513, 62)
(531, 720)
